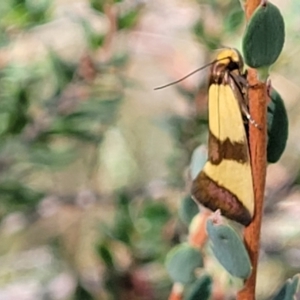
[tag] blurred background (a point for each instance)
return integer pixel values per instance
(94, 162)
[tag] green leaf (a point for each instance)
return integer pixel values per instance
(98, 5)
(199, 158)
(157, 213)
(128, 20)
(80, 134)
(123, 224)
(199, 29)
(229, 249)
(290, 289)
(94, 39)
(181, 263)
(200, 289)
(63, 71)
(82, 294)
(18, 117)
(17, 195)
(188, 210)
(106, 255)
(264, 36)
(277, 127)
(234, 20)
(43, 155)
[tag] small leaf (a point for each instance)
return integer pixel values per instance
(198, 160)
(229, 249)
(181, 263)
(106, 255)
(18, 118)
(200, 289)
(94, 39)
(234, 20)
(98, 5)
(81, 293)
(123, 225)
(43, 155)
(128, 20)
(63, 71)
(277, 127)
(289, 290)
(199, 29)
(17, 195)
(157, 213)
(188, 209)
(264, 37)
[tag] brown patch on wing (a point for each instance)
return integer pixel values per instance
(219, 150)
(213, 196)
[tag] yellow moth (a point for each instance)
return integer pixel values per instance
(225, 182)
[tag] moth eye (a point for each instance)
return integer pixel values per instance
(233, 65)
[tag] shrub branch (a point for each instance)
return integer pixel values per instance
(258, 141)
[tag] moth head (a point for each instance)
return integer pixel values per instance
(230, 59)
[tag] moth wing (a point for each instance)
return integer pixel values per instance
(225, 182)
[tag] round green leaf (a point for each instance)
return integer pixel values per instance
(181, 263)
(200, 289)
(264, 36)
(188, 209)
(289, 290)
(229, 249)
(277, 127)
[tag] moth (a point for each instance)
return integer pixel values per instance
(225, 182)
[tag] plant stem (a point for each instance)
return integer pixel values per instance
(258, 144)
(250, 7)
(177, 292)
(198, 235)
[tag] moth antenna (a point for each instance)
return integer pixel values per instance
(186, 76)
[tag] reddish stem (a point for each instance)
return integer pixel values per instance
(258, 142)
(198, 235)
(177, 292)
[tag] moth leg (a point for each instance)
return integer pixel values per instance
(246, 113)
(238, 85)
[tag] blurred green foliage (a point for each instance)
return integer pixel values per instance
(23, 14)
(74, 110)
(51, 110)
